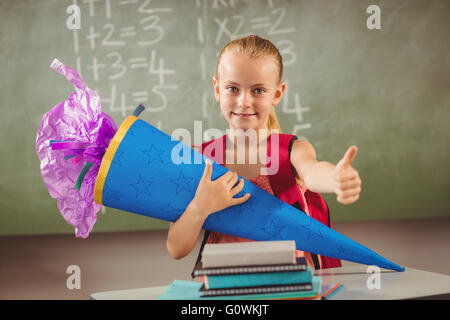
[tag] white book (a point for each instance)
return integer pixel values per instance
(248, 253)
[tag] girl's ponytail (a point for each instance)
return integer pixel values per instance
(272, 123)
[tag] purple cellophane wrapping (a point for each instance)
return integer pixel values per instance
(77, 119)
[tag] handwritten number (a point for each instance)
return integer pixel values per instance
(107, 42)
(117, 65)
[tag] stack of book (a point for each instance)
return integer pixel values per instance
(256, 270)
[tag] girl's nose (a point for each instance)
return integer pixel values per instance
(245, 99)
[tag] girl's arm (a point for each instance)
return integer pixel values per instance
(210, 197)
(183, 233)
(325, 177)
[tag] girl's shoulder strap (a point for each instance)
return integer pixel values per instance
(283, 180)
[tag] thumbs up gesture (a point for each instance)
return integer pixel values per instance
(346, 178)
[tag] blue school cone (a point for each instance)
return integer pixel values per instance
(141, 172)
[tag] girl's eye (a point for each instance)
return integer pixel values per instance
(259, 90)
(232, 89)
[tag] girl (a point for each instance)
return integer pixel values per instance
(248, 85)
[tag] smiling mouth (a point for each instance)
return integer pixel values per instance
(244, 115)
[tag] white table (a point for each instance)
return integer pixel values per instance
(409, 284)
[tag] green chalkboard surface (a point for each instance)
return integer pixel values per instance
(383, 88)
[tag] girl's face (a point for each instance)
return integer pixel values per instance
(247, 89)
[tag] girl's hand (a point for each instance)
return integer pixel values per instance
(346, 178)
(213, 196)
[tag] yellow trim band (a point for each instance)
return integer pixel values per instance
(109, 156)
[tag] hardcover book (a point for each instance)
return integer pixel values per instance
(248, 253)
(255, 290)
(299, 265)
(258, 279)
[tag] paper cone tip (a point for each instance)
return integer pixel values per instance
(391, 265)
(398, 268)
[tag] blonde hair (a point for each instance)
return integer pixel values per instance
(254, 46)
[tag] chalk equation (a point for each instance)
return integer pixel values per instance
(107, 46)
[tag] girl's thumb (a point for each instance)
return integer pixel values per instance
(349, 156)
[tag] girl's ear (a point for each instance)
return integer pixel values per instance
(216, 89)
(279, 93)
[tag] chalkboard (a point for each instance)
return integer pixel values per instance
(384, 88)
